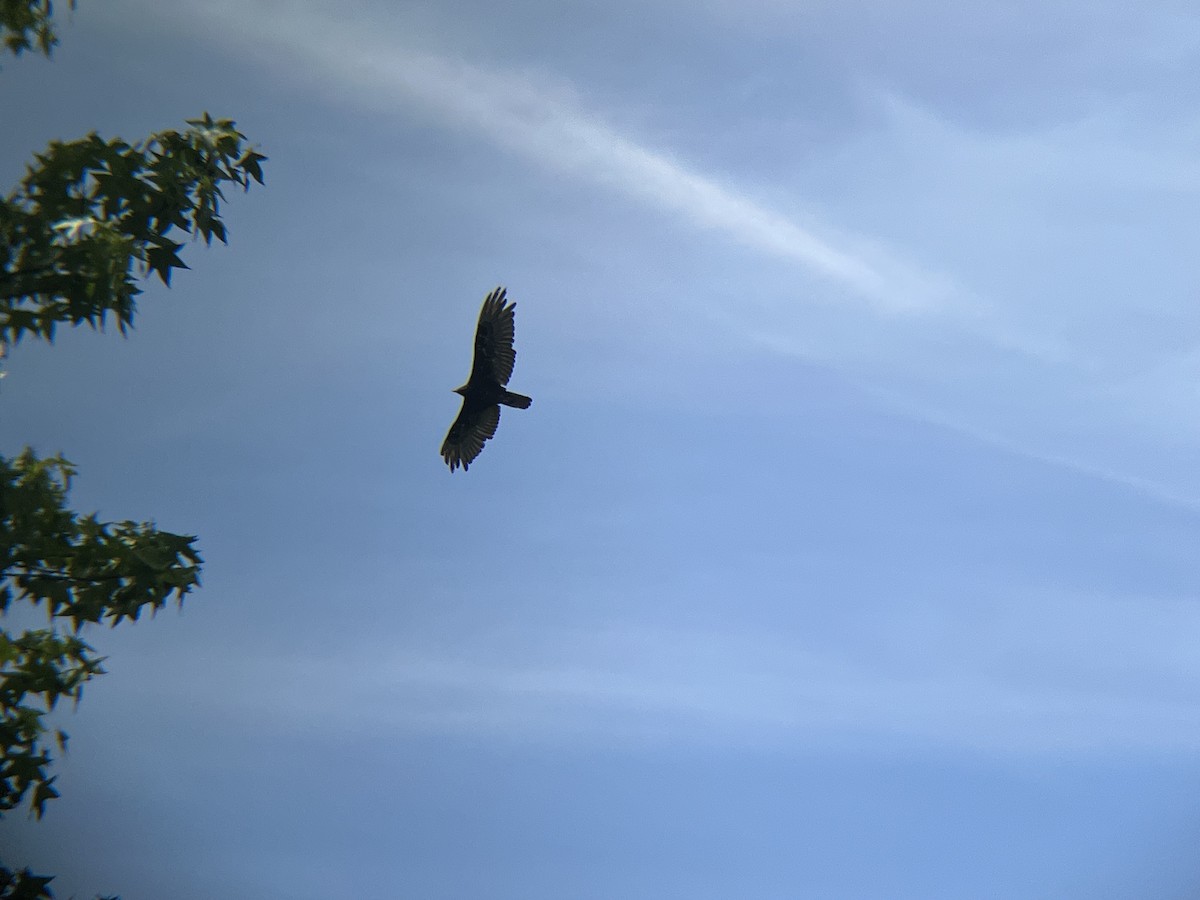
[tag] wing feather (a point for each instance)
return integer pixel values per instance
(467, 435)
(494, 353)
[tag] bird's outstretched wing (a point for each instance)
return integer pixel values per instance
(494, 353)
(474, 425)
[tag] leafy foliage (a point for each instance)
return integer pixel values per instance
(85, 221)
(26, 24)
(77, 570)
(93, 214)
(24, 885)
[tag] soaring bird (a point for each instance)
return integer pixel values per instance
(484, 392)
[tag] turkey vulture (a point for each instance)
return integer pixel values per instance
(484, 391)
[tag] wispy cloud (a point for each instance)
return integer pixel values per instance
(896, 318)
(1042, 675)
(543, 120)
(1159, 491)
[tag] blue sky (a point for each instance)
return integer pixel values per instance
(847, 551)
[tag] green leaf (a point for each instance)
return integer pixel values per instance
(162, 260)
(42, 794)
(78, 569)
(24, 885)
(93, 216)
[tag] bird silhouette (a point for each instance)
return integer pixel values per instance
(485, 392)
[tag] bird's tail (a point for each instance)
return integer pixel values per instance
(520, 401)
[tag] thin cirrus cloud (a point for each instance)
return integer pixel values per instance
(542, 120)
(759, 691)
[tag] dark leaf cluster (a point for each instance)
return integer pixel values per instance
(89, 219)
(78, 570)
(93, 216)
(24, 885)
(26, 25)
